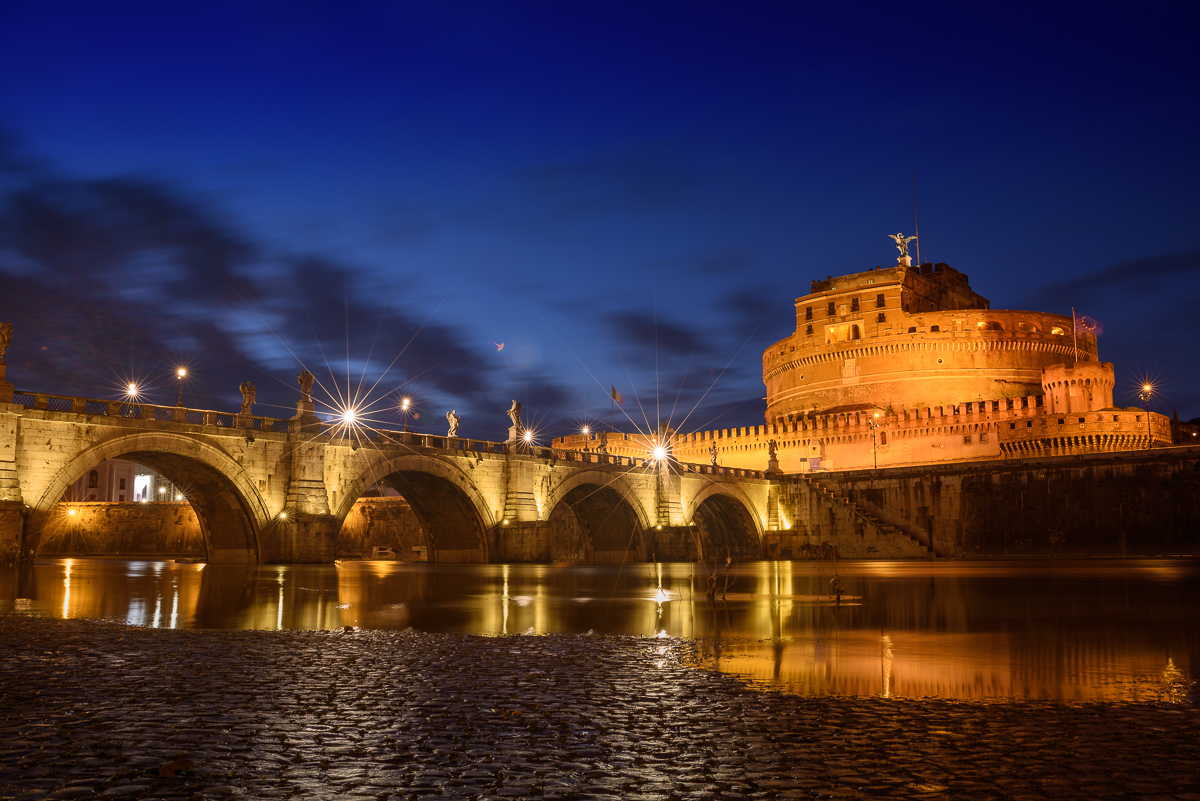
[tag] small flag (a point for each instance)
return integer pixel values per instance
(616, 395)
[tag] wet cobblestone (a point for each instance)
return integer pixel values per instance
(98, 710)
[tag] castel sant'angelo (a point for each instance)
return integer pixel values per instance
(907, 365)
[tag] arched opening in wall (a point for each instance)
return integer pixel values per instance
(726, 529)
(149, 504)
(413, 516)
(990, 325)
(593, 523)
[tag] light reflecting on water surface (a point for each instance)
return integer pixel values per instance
(1115, 630)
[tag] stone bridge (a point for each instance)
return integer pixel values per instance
(277, 490)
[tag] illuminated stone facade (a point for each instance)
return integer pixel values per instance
(909, 366)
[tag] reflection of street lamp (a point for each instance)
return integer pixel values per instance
(181, 372)
(874, 424)
(1146, 394)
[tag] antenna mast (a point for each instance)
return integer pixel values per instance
(916, 222)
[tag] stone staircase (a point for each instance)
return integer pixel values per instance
(830, 491)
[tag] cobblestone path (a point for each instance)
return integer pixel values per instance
(91, 709)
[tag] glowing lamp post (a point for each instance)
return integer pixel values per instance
(405, 403)
(1146, 394)
(181, 372)
(585, 431)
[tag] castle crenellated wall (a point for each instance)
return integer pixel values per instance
(990, 429)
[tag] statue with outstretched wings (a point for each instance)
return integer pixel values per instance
(902, 242)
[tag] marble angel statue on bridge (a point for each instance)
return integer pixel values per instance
(453, 419)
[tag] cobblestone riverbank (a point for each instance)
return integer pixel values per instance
(90, 709)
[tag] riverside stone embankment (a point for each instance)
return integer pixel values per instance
(91, 709)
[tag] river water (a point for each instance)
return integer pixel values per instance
(1115, 630)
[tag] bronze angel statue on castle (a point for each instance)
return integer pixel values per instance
(902, 242)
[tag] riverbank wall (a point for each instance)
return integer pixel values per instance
(1103, 504)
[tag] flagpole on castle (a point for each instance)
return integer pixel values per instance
(1075, 334)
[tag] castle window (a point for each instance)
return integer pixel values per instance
(808, 330)
(1081, 419)
(983, 437)
(879, 301)
(1012, 426)
(912, 329)
(1029, 424)
(854, 304)
(855, 333)
(1058, 331)
(990, 325)
(808, 312)
(882, 318)
(93, 480)
(967, 439)
(1116, 419)
(122, 484)
(830, 311)
(1062, 420)
(934, 328)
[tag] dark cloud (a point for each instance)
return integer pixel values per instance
(649, 178)
(123, 279)
(1136, 276)
(650, 337)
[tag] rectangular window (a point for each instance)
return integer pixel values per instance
(879, 302)
(983, 437)
(808, 330)
(120, 497)
(808, 312)
(882, 318)
(1081, 419)
(122, 484)
(1061, 420)
(967, 439)
(1012, 426)
(854, 305)
(830, 310)
(1116, 419)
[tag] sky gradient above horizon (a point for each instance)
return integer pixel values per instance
(628, 195)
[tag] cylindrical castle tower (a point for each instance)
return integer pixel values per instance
(910, 337)
(1078, 387)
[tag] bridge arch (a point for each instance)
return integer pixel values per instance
(604, 510)
(231, 512)
(453, 513)
(728, 523)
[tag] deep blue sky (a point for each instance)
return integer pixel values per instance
(628, 194)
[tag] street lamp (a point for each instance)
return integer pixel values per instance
(181, 372)
(404, 405)
(585, 431)
(1146, 394)
(874, 424)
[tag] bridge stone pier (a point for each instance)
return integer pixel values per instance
(278, 490)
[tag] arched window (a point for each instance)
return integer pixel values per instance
(883, 438)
